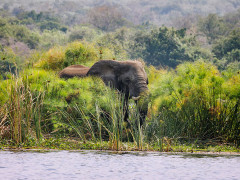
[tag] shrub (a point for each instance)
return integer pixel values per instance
(229, 44)
(74, 53)
(162, 47)
(195, 102)
(83, 33)
(52, 59)
(80, 53)
(8, 62)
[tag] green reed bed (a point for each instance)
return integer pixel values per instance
(22, 110)
(193, 107)
(196, 102)
(106, 124)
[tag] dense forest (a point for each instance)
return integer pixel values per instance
(191, 52)
(157, 12)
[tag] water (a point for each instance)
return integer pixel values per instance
(107, 165)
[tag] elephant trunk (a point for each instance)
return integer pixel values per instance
(141, 98)
(142, 104)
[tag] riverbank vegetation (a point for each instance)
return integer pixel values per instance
(193, 73)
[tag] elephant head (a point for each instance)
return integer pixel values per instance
(74, 71)
(129, 77)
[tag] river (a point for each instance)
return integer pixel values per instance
(109, 165)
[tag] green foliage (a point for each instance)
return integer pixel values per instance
(4, 27)
(23, 109)
(232, 69)
(80, 53)
(52, 59)
(51, 38)
(36, 17)
(165, 47)
(66, 95)
(213, 27)
(74, 53)
(104, 120)
(18, 32)
(228, 46)
(232, 19)
(196, 102)
(117, 41)
(8, 62)
(233, 56)
(83, 33)
(44, 20)
(3, 92)
(21, 33)
(51, 25)
(157, 12)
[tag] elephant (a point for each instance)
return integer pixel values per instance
(74, 71)
(128, 77)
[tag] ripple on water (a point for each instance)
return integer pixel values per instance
(107, 165)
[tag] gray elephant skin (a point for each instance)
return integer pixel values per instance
(128, 77)
(74, 71)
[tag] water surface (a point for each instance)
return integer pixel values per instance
(107, 165)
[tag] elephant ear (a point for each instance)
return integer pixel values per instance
(106, 70)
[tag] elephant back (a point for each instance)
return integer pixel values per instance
(74, 71)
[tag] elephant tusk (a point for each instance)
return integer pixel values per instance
(136, 98)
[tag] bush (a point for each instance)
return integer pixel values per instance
(51, 25)
(118, 42)
(21, 33)
(229, 44)
(4, 28)
(52, 59)
(213, 27)
(83, 33)
(80, 53)
(8, 62)
(51, 38)
(74, 53)
(196, 102)
(162, 47)
(75, 96)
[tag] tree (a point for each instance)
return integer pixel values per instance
(106, 18)
(4, 28)
(117, 41)
(23, 34)
(7, 63)
(164, 46)
(83, 33)
(228, 49)
(212, 27)
(51, 25)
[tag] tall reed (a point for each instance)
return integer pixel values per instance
(107, 122)
(136, 130)
(196, 102)
(23, 109)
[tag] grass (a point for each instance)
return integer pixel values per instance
(22, 111)
(106, 122)
(195, 103)
(78, 144)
